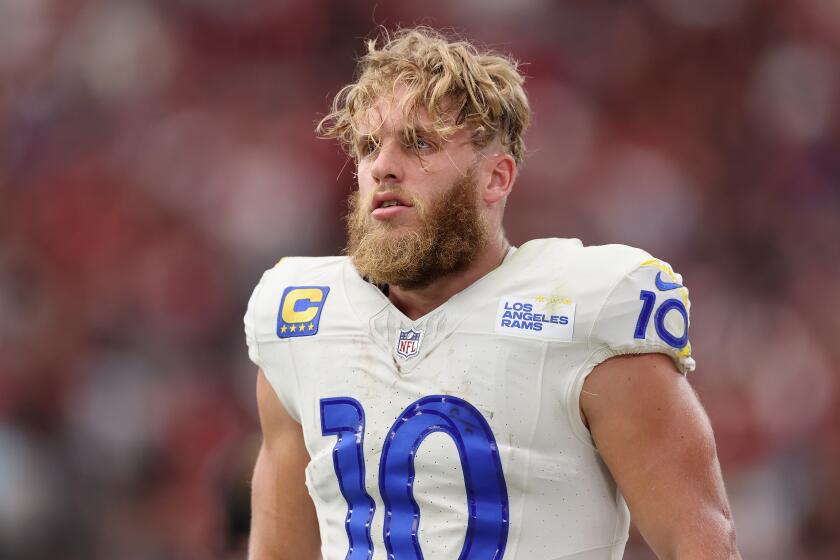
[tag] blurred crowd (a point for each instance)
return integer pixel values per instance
(156, 156)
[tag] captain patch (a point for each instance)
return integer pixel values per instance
(300, 310)
(549, 318)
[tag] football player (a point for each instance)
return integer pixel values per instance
(440, 394)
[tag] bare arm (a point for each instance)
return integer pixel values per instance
(283, 523)
(656, 439)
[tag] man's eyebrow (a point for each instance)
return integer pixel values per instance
(366, 137)
(403, 132)
(428, 133)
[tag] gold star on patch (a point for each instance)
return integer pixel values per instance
(283, 329)
(311, 327)
(293, 328)
(540, 299)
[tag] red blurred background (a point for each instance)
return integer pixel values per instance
(156, 156)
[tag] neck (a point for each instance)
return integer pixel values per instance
(418, 302)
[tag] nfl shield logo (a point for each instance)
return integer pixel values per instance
(408, 343)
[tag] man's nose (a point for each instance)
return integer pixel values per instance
(388, 166)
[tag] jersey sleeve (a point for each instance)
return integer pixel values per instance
(647, 311)
(263, 343)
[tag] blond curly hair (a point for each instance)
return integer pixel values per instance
(447, 78)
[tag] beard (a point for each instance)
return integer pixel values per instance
(450, 233)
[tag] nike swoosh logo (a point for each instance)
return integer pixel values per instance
(664, 285)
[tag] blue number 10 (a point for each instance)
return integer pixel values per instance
(487, 498)
(649, 300)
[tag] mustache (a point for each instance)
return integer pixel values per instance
(359, 206)
(395, 188)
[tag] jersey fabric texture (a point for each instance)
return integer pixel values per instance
(516, 347)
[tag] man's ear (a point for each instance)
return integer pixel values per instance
(500, 181)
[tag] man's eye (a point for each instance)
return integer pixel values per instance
(366, 147)
(423, 144)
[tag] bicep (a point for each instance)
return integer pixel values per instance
(283, 523)
(656, 439)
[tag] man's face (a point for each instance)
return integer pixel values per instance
(417, 215)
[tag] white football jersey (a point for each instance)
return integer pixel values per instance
(459, 435)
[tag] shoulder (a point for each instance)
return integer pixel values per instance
(293, 291)
(292, 273)
(304, 269)
(295, 278)
(626, 300)
(592, 269)
(574, 249)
